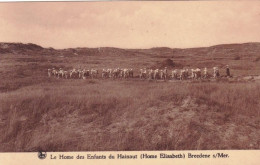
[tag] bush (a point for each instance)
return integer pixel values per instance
(237, 58)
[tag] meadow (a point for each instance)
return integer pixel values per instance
(49, 114)
(124, 115)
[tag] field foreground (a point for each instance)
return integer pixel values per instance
(93, 115)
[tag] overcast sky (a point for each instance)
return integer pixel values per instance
(130, 24)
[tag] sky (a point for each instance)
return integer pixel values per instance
(133, 24)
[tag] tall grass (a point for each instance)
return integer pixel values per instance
(125, 115)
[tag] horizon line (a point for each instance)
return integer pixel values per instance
(252, 42)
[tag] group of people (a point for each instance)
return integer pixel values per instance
(117, 73)
(74, 73)
(181, 74)
(152, 74)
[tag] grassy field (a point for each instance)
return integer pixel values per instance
(41, 113)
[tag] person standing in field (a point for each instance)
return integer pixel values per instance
(228, 71)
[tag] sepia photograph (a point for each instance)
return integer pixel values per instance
(129, 76)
